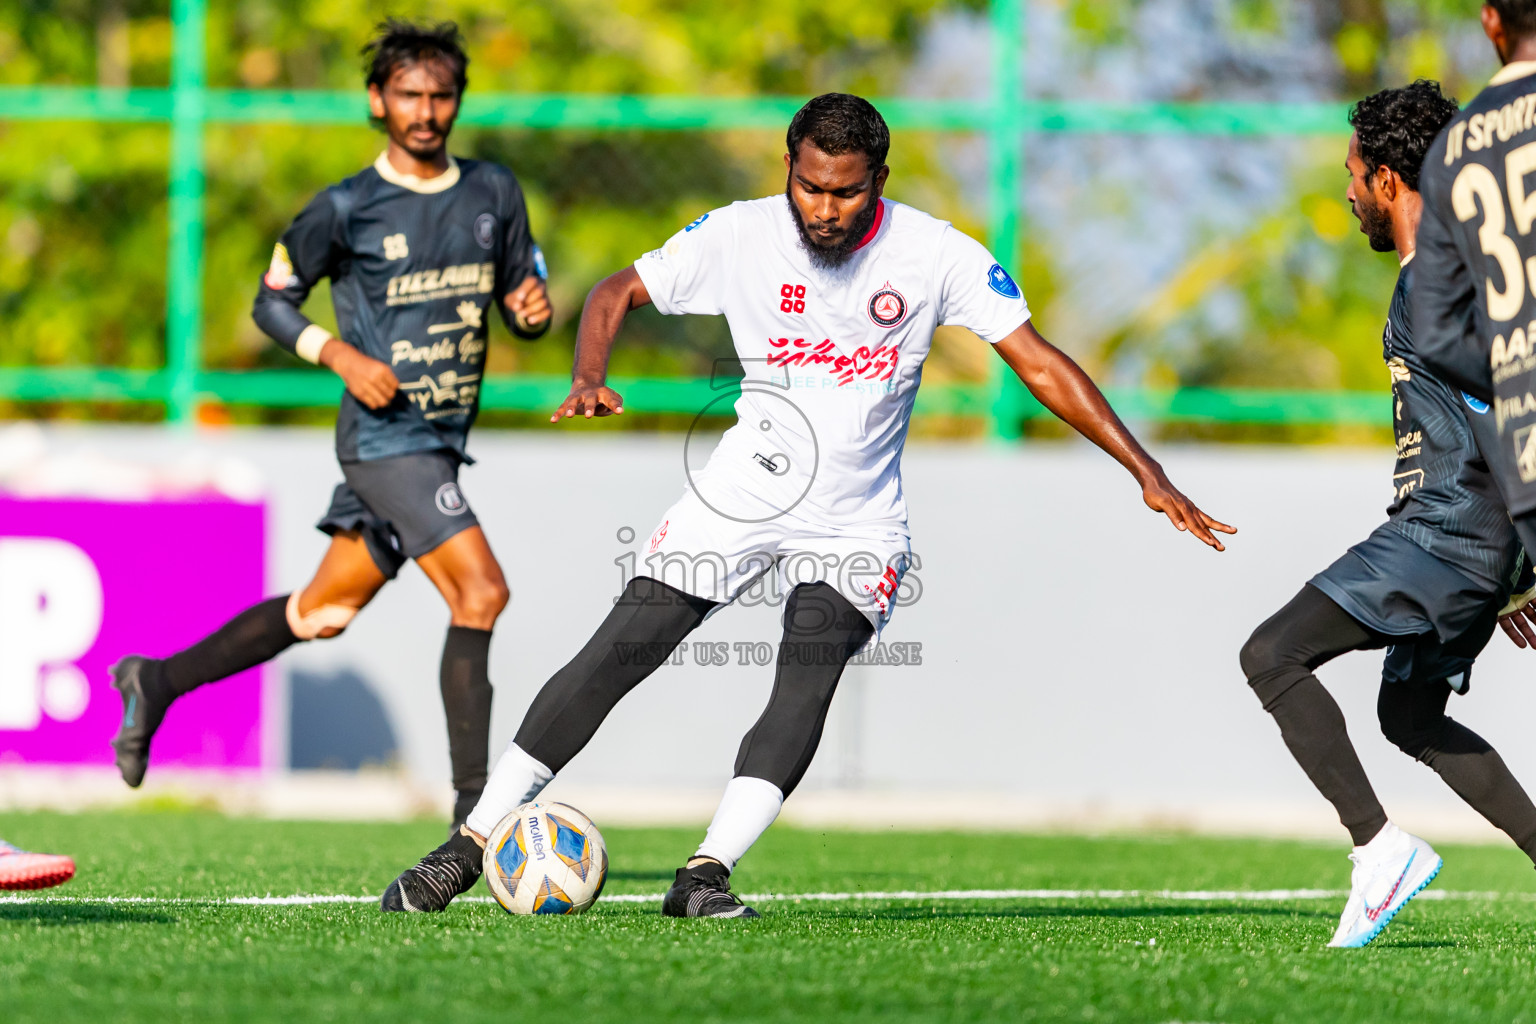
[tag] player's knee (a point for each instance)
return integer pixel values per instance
(319, 623)
(1262, 653)
(1410, 733)
(480, 603)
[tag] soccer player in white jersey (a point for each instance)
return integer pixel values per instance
(832, 294)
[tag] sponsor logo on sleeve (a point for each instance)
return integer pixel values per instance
(887, 307)
(696, 223)
(485, 230)
(999, 281)
(280, 272)
(540, 267)
(1479, 407)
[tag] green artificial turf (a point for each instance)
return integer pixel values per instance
(1145, 958)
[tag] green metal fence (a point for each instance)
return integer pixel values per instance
(1006, 120)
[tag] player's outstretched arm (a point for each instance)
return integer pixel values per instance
(607, 305)
(1062, 387)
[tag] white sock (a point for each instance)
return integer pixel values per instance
(1382, 843)
(516, 779)
(745, 812)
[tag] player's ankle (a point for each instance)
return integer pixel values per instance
(1382, 841)
(697, 861)
(469, 833)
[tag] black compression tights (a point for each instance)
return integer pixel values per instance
(1278, 661)
(822, 631)
(1311, 630)
(1413, 717)
(647, 623)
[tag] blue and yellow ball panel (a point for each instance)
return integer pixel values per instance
(572, 847)
(551, 900)
(511, 858)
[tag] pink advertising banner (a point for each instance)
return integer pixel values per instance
(85, 582)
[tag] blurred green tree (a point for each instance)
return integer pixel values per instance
(82, 277)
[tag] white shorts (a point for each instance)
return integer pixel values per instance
(703, 552)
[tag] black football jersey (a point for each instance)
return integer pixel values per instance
(1444, 498)
(1474, 298)
(414, 266)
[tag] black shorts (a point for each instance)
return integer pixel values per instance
(404, 506)
(1427, 660)
(1394, 587)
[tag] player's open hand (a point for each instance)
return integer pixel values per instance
(589, 400)
(1162, 496)
(1517, 619)
(370, 381)
(529, 302)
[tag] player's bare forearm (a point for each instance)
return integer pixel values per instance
(1063, 388)
(608, 303)
(370, 381)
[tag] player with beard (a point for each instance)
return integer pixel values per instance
(832, 294)
(417, 247)
(1428, 585)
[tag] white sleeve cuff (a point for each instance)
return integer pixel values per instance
(311, 340)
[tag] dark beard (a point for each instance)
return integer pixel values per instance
(830, 257)
(1377, 225)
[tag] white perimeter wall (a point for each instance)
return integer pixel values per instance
(1078, 653)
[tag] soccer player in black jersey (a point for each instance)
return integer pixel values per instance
(1478, 256)
(417, 248)
(1429, 584)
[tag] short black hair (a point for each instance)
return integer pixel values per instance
(398, 43)
(1518, 16)
(1397, 126)
(837, 123)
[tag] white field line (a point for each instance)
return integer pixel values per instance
(909, 895)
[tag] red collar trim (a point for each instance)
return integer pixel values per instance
(874, 229)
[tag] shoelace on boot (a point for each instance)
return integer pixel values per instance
(444, 876)
(710, 892)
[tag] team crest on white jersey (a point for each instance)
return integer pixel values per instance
(887, 307)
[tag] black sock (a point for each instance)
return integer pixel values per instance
(258, 634)
(1478, 775)
(1413, 716)
(1313, 728)
(466, 686)
(1278, 661)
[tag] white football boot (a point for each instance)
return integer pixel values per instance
(1389, 871)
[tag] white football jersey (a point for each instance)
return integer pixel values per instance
(833, 357)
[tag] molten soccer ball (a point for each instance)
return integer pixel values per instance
(546, 859)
